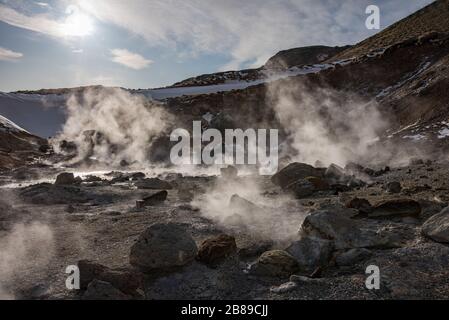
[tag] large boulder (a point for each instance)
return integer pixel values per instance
(437, 227)
(293, 172)
(311, 252)
(396, 208)
(163, 246)
(275, 263)
(216, 249)
(345, 232)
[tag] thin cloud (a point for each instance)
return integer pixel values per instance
(9, 55)
(36, 23)
(129, 59)
(249, 32)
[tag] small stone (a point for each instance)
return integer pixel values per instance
(163, 246)
(285, 287)
(393, 187)
(66, 178)
(101, 290)
(152, 200)
(363, 205)
(275, 263)
(214, 250)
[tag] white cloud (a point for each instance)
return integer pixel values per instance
(9, 55)
(73, 23)
(246, 32)
(37, 23)
(130, 59)
(250, 31)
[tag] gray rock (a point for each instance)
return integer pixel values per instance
(437, 227)
(275, 263)
(293, 172)
(353, 256)
(346, 233)
(163, 246)
(311, 252)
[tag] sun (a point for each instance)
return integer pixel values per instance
(77, 25)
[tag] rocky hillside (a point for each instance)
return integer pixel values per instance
(434, 17)
(302, 56)
(17, 146)
(406, 78)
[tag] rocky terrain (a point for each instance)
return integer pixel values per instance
(362, 180)
(304, 233)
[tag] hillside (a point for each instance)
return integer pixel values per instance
(432, 18)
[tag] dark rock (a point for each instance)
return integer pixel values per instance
(294, 172)
(353, 256)
(214, 250)
(335, 174)
(89, 271)
(256, 249)
(152, 200)
(396, 208)
(437, 227)
(311, 252)
(49, 194)
(101, 290)
(301, 188)
(345, 232)
(66, 178)
(319, 183)
(127, 281)
(275, 263)
(153, 184)
(393, 187)
(363, 205)
(163, 246)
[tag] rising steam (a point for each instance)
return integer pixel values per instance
(326, 125)
(111, 125)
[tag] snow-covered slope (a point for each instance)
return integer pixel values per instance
(42, 115)
(9, 126)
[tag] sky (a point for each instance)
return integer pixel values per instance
(154, 43)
